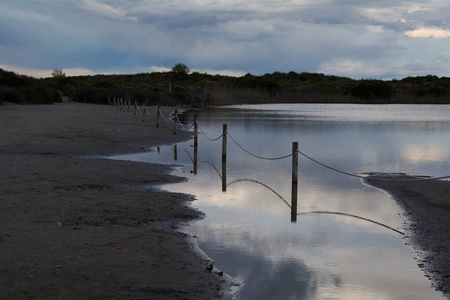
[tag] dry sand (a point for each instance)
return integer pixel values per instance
(426, 214)
(88, 228)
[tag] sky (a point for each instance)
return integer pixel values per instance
(370, 39)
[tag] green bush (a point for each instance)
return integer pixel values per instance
(371, 90)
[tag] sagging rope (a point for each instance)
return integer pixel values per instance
(257, 156)
(120, 101)
(367, 177)
(185, 127)
(208, 138)
(162, 115)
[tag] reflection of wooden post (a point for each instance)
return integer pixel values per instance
(175, 154)
(224, 158)
(157, 117)
(294, 181)
(195, 143)
(175, 119)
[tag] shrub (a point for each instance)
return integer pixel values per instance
(371, 90)
(180, 71)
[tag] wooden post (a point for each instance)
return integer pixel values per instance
(157, 116)
(294, 182)
(175, 119)
(195, 143)
(175, 154)
(135, 106)
(224, 158)
(195, 131)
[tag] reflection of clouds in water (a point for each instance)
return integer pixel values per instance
(261, 276)
(424, 153)
(310, 262)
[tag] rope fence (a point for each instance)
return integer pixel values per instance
(119, 103)
(175, 120)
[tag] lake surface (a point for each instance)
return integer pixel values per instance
(345, 243)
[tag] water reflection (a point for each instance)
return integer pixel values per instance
(346, 243)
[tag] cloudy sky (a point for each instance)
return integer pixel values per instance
(356, 38)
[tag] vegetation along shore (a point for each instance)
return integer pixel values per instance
(196, 89)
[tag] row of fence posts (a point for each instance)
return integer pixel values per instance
(294, 193)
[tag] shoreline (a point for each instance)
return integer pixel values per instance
(426, 220)
(85, 227)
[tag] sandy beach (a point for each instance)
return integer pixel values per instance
(425, 210)
(75, 227)
(78, 227)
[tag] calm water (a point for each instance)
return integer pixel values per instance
(323, 255)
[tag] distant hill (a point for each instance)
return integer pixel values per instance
(200, 89)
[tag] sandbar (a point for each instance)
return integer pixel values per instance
(425, 209)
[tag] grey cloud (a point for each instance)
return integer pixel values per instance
(245, 36)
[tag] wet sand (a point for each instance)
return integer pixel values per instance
(90, 228)
(426, 214)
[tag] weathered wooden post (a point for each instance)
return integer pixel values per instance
(175, 153)
(135, 106)
(294, 181)
(195, 143)
(175, 119)
(157, 116)
(224, 158)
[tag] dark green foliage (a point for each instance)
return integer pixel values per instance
(198, 89)
(26, 90)
(372, 90)
(180, 71)
(264, 83)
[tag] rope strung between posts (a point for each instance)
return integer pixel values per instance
(257, 156)
(162, 115)
(366, 177)
(185, 127)
(211, 139)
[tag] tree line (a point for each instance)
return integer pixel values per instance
(181, 86)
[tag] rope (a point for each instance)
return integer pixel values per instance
(369, 178)
(210, 163)
(147, 112)
(185, 127)
(264, 185)
(353, 216)
(202, 132)
(160, 112)
(260, 157)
